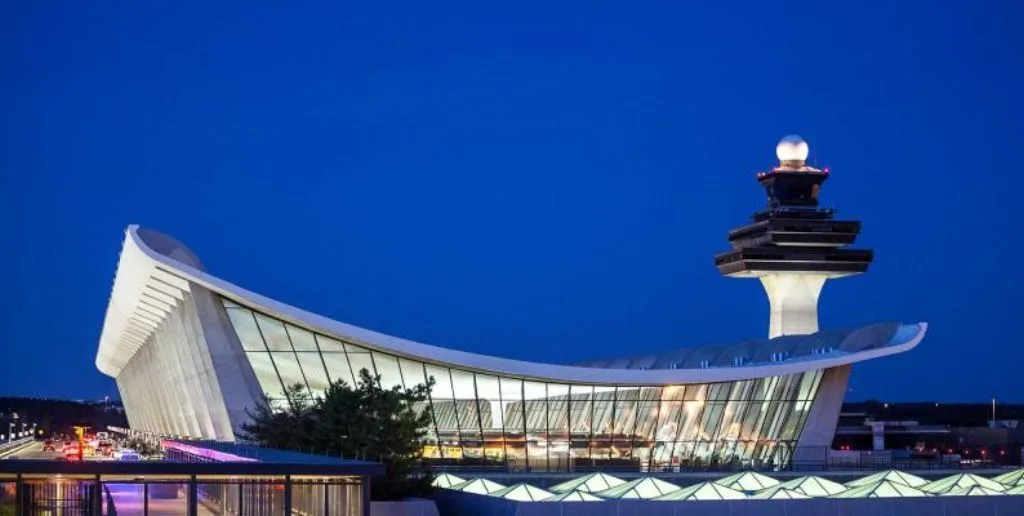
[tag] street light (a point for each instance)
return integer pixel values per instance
(10, 433)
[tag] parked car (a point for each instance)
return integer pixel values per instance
(127, 455)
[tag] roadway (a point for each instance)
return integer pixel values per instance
(33, 450)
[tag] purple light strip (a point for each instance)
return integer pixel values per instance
(213, 455)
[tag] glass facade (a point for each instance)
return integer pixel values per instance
(539, 426)
(53, 493)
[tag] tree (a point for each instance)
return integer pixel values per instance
(284, 425)
(367, 421)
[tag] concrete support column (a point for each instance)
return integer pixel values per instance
(793, 297)
(287, 494)
(192, 500)
(366, 495)
(820, 426)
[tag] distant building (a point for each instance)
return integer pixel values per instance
(192, 352)
(911, 440)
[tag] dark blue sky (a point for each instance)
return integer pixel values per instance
(545, 182)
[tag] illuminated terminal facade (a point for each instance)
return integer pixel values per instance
(192, 352)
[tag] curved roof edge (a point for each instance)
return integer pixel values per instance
(147, 281)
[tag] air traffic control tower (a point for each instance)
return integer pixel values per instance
(793, 245)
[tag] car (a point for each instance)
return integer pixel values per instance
(48, 445)
(127, 455)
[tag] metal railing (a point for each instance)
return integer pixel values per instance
(9, 448)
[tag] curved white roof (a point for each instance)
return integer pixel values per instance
(155, 270)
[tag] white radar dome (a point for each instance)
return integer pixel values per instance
(792, 148)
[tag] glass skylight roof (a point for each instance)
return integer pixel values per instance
(1018, 490)
(591, 483)
(881, 489)
(960, 481)
(447, 480)
(704, 491)
(1012, 479)
(644, 488)
(523, 493)
(779, 493)
(748, 481)
(478, 486)
(893, 475)
(973, 491)
(573, 496)
(884, 484)
(814, 486)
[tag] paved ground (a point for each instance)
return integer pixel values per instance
(34, 451)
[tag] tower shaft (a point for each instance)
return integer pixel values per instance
(793, 297)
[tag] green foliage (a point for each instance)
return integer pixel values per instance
(284, 426)
(366, 421)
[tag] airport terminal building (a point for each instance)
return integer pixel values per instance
(191, 352)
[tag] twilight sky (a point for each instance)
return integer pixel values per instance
(545, 181)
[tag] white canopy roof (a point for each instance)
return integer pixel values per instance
(155, 271)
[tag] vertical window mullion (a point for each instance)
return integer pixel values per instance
(479, 418)
(590, 425)
(433, 415)
(526, 436)
(455, 409)
(269, 354)
(700, 419)
(679, 424)
(654, 429)
(501, 407)
(309, 391)
(547, 428)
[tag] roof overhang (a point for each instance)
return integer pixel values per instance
(146, 279)
(145, 291)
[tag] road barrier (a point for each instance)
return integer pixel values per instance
(10, 448)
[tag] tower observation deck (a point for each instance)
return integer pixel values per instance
(793, 245)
